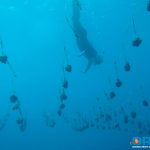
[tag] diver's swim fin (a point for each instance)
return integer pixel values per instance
(88, 66)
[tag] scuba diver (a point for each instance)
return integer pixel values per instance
(4, 58)
(137, 41)
(118, 83)
(127, 66)
(86, 48)
(21, 121)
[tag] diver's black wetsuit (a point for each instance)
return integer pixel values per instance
(82, 41)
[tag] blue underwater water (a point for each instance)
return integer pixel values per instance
(45, 46)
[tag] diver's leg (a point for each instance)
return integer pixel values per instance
(75, 12)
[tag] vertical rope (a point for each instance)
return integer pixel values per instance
(116, 69)
(134, 28)
(66, 55)
(11, 69)
(13, 85)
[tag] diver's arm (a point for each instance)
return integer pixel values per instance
(90, 62)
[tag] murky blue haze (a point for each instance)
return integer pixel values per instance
(33, 35)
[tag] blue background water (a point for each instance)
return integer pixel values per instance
(34, 34)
